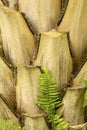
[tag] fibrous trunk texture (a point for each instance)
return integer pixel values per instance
(55, 55)
(17, 40)
(72, 109)
(13, 4)
(42, 14)
(1, 2)
(7, 88)
(75, 21)
(35, 123)
(79, 127)
(27, 90)
(6, 113)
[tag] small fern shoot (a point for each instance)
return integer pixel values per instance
(49, 100)
(49, 97)
(9, 125)
(85, 94)
(58, 123)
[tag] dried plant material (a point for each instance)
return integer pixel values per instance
(17, 40)
(68, 18)
(75, 21)
(55, 55)
(7, 88)
(6, 113)
(27, 90)
(79, 127)
(79, 79)
(1, 3)
(72, 109)
(13, 4)
(45, 13)
(35, 123)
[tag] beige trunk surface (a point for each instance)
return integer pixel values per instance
(75, 21)
(1, 2)
(72, 109)
(17, 40)
(35, 123)
(6, 113)
(27, 89)
(79, 127)
(55, 55)
(42, 14)
(13, 4)
(7, 88)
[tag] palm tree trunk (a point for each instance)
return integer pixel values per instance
(28, 28)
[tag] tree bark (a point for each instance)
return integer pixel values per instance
(13, 4)
(35, 123)
(18, 35)
(1, 3)
(27, 90)
(55, 55)
(79, 127)
(42, 14)
(82, 75)
(75, 22)
(6, 113)
(7, 87)
(17, 40)
(72, 109)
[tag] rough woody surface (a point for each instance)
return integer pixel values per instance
(75, 21)
(1, 2)
(55, 55)
(79, 127)
(13, 3)
(72, 109)
(17, 40)
(27, 90)
(6, 113)
(35, 123)
(42, 14)
(7, 88)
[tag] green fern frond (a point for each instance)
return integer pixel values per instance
(9, 125)
(49, 100)
(49, 97)
(58, 123)
(85, 94)
(85, 82)
(85, 99)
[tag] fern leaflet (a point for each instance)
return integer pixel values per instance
(85, 94)
(49, 100)
(9, 125)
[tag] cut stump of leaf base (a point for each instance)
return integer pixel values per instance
(6, 113)
(79, 127)
(28, 79)
(54, 54)
(17, 40)
(42, 14)
(35, 122)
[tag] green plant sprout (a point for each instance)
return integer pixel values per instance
(85, 94)
(49, 100)
(6, 124)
